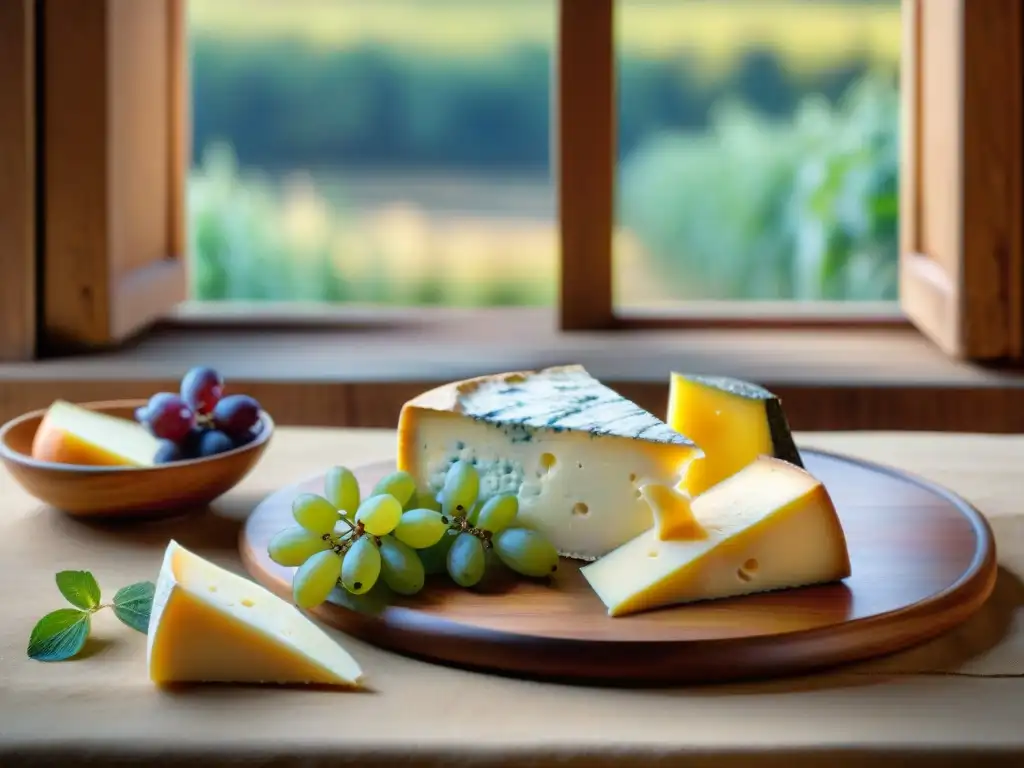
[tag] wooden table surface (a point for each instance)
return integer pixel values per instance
(956, 699)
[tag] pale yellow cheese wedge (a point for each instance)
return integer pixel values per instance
(70, 434)
(770, 526)
(211, 625)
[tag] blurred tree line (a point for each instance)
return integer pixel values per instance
(759, 183)
(285, 104)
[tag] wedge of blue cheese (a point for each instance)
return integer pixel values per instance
(574, 451)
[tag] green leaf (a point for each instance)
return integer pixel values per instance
(59, 635)
(134, 603)
(80, 588)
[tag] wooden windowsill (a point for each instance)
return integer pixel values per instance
(358, 373)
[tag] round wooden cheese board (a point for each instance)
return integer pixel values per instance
(923, 560)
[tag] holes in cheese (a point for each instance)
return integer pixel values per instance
(569, 447)
(733, 421)
(211, 625)
(770, 526)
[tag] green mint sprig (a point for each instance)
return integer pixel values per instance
(61, 634)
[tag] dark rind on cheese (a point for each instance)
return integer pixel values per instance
(778, 426)
(783, 445)
(564, 399)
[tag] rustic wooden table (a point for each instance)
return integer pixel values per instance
(954, 700)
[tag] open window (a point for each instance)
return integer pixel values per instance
(92, 220)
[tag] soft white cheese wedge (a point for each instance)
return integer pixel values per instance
(574, 451)
(210, 625)
(770, 526)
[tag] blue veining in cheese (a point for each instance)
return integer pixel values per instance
(574, 451)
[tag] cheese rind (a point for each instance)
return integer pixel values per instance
(733, 421)
(770, 526)
(70, 434)
(209, 625)
(574, 451)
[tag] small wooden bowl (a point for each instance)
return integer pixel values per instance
(88, 491)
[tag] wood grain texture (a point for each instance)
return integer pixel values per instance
(17, 180)
(111, 191)
(829, 379)
(338, 403)
(962, 176)
(125, 492)
(585, 126)
(922, 560)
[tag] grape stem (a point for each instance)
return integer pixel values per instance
(342, 544)
(461, 524)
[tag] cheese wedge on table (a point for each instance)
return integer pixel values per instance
(733, 421)
(70, 434)
(209, 625)
(574, 451)
(770, 526)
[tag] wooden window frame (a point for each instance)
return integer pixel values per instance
(96, 206)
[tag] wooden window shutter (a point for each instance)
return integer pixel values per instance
(962, 205)
(17, 180)
(114, 138)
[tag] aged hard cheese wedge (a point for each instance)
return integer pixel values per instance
(70, 434)
(211, 626)
(770, 526)
(574, 451)
(733, 421)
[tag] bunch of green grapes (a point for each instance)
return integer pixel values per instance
(398, 535)
(457, 537)
(344, 539)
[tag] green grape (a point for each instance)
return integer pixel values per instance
(379, 514)
(474, 513)
(399, 484)
(466, 560)
(342, 489)
(526, 552)
(361, 566)
(400, 566)
(461, 487)
(294, 546)
(421, 528)
(423, 500)
(498, 513)
(315, 513)
(435, 558)
(316, 578)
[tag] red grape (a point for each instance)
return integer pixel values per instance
(190, 445)
(236, 415)
(202, 388)
(213, 442)
(169, 417)
(167, 452)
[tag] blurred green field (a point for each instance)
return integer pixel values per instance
(397, 151)
(809, 35)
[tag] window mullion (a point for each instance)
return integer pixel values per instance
(585, 151)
